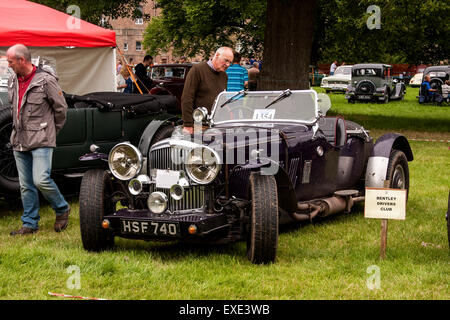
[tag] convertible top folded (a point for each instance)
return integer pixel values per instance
(117, 101)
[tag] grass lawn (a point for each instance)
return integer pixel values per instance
(334, 258)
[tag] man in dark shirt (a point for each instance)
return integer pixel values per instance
(143, 80)
(203, 83)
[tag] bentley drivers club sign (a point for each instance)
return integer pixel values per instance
(384, 204)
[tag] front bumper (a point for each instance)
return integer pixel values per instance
(335, 87)
(353, 95)
(143, 224)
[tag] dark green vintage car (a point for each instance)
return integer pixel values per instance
(102, 119)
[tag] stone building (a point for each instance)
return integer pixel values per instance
(130, 35)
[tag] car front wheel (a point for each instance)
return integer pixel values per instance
(398, 171)
(262, 240)
(95, 203)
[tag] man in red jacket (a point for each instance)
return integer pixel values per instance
(39, 112)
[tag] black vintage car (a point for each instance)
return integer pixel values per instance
(259, 158)
(374, 82)
(101, 118)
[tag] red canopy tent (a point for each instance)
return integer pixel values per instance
(82, 53)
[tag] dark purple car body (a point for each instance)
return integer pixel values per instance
(260, 158)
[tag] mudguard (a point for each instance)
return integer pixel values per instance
(378, 162)
(149, 132)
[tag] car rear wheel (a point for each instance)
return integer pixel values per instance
(398, 171)
(95, 203)
(262, 240)
(9, 177)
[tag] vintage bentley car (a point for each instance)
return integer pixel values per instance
(169, 79)
(257, 159)
(374, 82)
(339, 80)
(101, 118)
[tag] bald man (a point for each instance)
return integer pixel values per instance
(203, 83)
(39, 112)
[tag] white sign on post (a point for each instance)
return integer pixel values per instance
(385, 203)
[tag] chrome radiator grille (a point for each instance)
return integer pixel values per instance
(163, 158)
(173, 159)
(194, 198)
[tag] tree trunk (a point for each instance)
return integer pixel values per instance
(287, 44)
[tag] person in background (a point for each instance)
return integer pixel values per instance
(237, 75)
(128, 81)
(333, 67)
(119, 67)
(33, 136)
(143, 80)
(253, 74)
(124, 82)
(446, 90)
(203, 83)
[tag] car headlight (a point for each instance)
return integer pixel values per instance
(324, 82)
(125, 161)
(203, 165)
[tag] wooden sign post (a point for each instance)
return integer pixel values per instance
(384, 204)
(384, 229)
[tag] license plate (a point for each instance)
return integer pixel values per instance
(154, 228)
(365, 97)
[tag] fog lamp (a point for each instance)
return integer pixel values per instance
(176, 192)
(157, 202)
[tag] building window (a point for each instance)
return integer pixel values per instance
(138, 46)
(139, 14)
(125, 46)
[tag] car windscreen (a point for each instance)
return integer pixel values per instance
(367, 72)
(266, 106)
(343, 70)
(437, 74)
(167, 72)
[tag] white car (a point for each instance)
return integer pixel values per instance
(416, 81)
(339, 81)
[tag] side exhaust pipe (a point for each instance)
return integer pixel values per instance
(324, 207)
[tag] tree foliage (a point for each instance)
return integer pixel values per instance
(193, 27)
(94, 10)
(413, 31)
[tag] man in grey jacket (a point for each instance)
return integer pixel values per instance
(39, 112)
